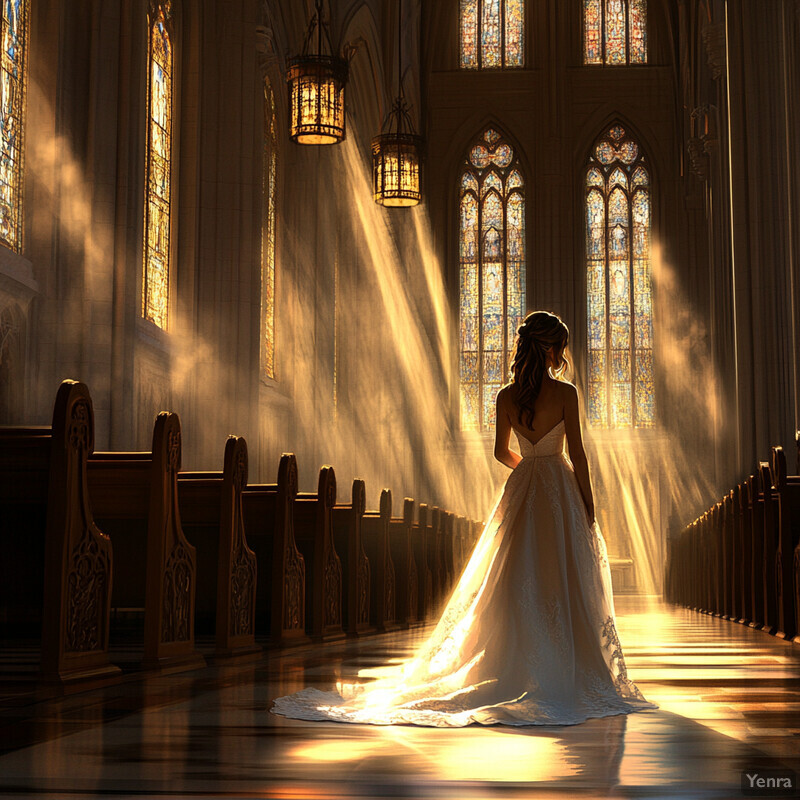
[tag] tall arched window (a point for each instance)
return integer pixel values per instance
(13, 79)
(492, 273)
(158, 191)
(270, 167)
(620, 311)
(614, 32)
(492, 33)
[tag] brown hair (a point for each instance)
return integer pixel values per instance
(540, 332)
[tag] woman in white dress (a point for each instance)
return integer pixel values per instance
(528, 634)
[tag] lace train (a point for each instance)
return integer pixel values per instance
(528, 635)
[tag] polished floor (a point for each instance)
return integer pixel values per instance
(729, 701)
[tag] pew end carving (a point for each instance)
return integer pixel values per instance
(787, 492)
(348, 540)
(419, 543)
(211, 509)
(136, 501)
(383, 593)
(281, 587)
(314, 536)
(65, 579)
(406, 575)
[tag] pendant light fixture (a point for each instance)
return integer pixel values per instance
(316, 89)
(396, 151)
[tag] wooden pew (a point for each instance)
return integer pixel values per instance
(680, 561)
(796, 566)
(57, 566)
(419, 543)
(211, 511)
(724, 559)
(718, 559)
(406, 576)
(383, 597)
(135, 499)
(765, 524)
(730, 532)
(707, 547)
(696, 568)
(459, 536)
(438, 564)
(347, 536)
(281, 583)
(739, 555)
(787, 489)
(690, 560)
(749, 511)
(446, 532)
(752, 500)
(314, 537)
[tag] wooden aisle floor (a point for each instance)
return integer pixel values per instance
(729, 701)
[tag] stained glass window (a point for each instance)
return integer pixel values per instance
(492, 33)
(270, 167)
(615, 32)
(492, 273)
(14, 35)
(158, 200)
(619, 301)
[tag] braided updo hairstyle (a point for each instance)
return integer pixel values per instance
(540, 332)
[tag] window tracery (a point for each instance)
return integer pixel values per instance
(270, 167)
(619, 298)
(492, 273)
(13, 85)
(158, 191)
(492, 34)
(615, 32)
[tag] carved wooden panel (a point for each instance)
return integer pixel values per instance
(333, 566)
(359, 506)
(294, 569)
(765, 524)
(389, 596)
(78, 556)
(171, 558)
(788, 498)
(375, 537)
(236, 581)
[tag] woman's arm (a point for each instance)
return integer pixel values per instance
(572, 424)
(502, 434)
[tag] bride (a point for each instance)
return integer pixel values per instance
(528, 635)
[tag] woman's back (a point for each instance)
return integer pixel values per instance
(549, 408)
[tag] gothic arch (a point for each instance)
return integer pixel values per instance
(616, 191)
(470, 129)
(492, 260)
(599, 122)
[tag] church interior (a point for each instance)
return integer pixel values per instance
(261, 267)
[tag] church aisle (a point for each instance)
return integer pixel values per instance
(729, 701)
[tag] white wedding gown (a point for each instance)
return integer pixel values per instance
(527, 636)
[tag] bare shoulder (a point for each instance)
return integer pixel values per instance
(505, 393)
(567, 390)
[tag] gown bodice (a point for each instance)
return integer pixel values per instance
(551, 444)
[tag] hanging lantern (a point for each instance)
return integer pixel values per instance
(316, 90)
(396, 161)
(396, 151)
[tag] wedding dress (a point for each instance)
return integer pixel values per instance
(528, 635)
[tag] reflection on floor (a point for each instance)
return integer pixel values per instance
(729, 701)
